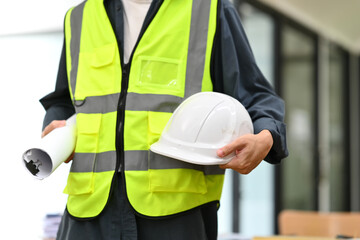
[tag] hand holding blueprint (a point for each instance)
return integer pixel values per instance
(52, 150)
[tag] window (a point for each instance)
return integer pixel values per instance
(258, 202)
(298, 74)
(339, 164)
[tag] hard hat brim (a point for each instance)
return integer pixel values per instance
(194, 157)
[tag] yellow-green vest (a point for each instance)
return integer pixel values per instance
(121, 111)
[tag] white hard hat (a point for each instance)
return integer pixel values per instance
(201, 125)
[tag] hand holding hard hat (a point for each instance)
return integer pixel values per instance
(203, 124)
(250, 150)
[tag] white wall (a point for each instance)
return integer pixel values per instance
(23, 16)
(28, 69)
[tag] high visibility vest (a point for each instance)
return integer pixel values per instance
(121, 111)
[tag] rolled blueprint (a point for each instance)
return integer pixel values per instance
(52, 150)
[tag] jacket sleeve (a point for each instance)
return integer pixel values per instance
(58, 104)
(236, 73)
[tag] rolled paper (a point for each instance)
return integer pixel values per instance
(42, 160)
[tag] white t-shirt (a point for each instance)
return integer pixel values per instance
(134, 15)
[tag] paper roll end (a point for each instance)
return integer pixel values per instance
(37, 162)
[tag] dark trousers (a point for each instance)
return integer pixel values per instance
(118, 221)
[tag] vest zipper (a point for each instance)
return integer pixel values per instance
(121, 118)
(121, 106)
(124, 86)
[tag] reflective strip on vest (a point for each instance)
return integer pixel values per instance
(92, 162)
(135, 102)
(197, 45)
(159, 80)
(76, 25)
(102, 162)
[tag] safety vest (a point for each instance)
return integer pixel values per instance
(121, 110)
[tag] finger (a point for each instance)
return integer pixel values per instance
(239, 169)
(243, 164)
(237, 144)
(54, 124)
(70, 158)
(237, 163)
(223, 166)
(229, 164)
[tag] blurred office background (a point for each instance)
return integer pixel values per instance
(308, 50)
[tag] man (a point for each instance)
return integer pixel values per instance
(125, 66)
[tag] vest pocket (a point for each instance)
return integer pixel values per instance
(160, 76)
(171, 175)
(103, 56)
(88, 126)
(96, 72)
(81, 176)
(80, 183)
